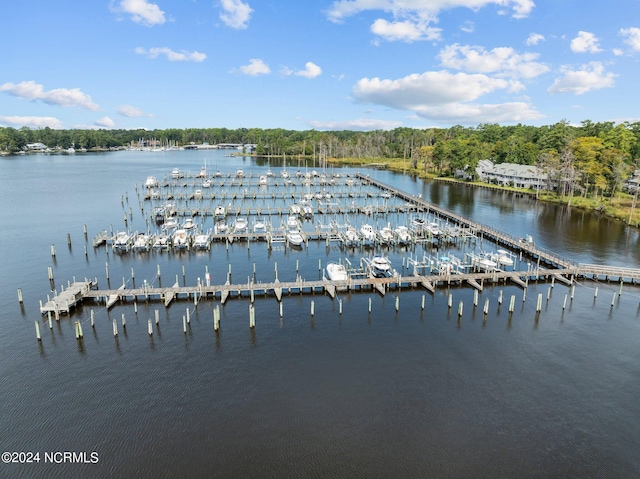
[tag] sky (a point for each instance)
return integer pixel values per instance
(317, 64)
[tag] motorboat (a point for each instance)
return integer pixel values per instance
(503, 258)
(486, 263)
(180, 239)
(207, 183)
(433, 229)
(292, 222)
(202, 241)
(159, 213)
(162, 242)
(403, 235)
(445, 266)
(220, 211)
(198, 194)
(262, 180)
(367, 234)
(294, 237)
(351, 237)
(307, 209)
(220, 227)
(170, 209)
(151, 182)
(259, 227)
(380, 267)
(189, 224)
(240, 225)
(176, 173)
(295, 209)
(386, 235)
(203, 172)
(141, 243)
(240, 173)
(122, 241)
(170, 223)
(284, 174)
(270, 173)
(337, 272)
(418, 224)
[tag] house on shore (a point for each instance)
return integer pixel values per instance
(511, 174)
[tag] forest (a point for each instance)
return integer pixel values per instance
(592, 159)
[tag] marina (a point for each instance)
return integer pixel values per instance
(460, 328)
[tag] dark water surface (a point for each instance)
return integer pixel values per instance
(387, 394)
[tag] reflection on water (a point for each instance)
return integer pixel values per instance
(418, 393)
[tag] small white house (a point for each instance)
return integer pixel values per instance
(520, 176)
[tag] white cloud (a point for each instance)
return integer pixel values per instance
(172, 56)
(236, 14)
(504, 61)
(141, 11)
(255, 67)
(535, 38)
(104, 122)
(468, 27)
(360, 125)
(311, 70)
(443, 96)
(617, 52)
(131, 111)
(631, 37)
(589, 77)
(406, 31)
(64, 97)
(31, 121)
(585, 42)
(424, 10)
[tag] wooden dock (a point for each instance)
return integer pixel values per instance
(68, 298)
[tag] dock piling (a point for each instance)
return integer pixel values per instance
(38, 331)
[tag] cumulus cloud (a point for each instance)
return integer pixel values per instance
(588, 77)
(631, 37)
(444, 96)
(534, 39)
(64, 97)
(235, 13)
(172, 56)
(585, 42)
(359, 125)
(311, 70)
(411, 19)
(141, 11)
(31, 121)
(255, 67)
(406, 31)
(104, 122)
(131, 111)
(504, 61)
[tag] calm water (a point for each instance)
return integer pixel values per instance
(408, 394)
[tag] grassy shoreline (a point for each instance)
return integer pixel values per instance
(619, 207)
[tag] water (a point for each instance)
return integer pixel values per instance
(408, 394)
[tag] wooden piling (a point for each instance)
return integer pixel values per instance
(20, 295)
(512, 303)
(149, 327)
(422, 303)
(38, 331)
(613, 299)
(115, 328)
(486, 306)
(124, 322)
(369, 304)
(340, 306)
(539, 303)
(564, 303)
(475, 297)
(312, 308)
(50, 273)
(450, 300)
(460, 306)
(500, 297)
(397, 303)
(595, 293)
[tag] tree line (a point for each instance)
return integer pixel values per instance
(592, 158)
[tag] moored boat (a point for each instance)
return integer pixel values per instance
(336, 272)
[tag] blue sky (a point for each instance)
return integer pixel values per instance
(317, 64)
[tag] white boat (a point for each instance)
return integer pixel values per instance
(367, 234)
(170, 223)
(295, 209)
(445, 266)
(270, 173)
(122, 241)
(240, 173)
(337, 272)
(307, 209)
(351, 237)
(294, 238)
(486, 263)
(189, 224)
(141, 243)
(240, 225)
(202, 241)
(151, 182)
(433, 229)
(207, 183)
(159, 213)
(262, 180)
(418, 224)
(386, 235)
(503, 258)
(198, 194)
(292, 222)
(259, 227)
(176, 173)
(170, 209)
(284, 173)
(380, 267)
(220, 211)
(161, 242)
(220, 227)
(180, 239)
(203, 172)
(403, 235)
